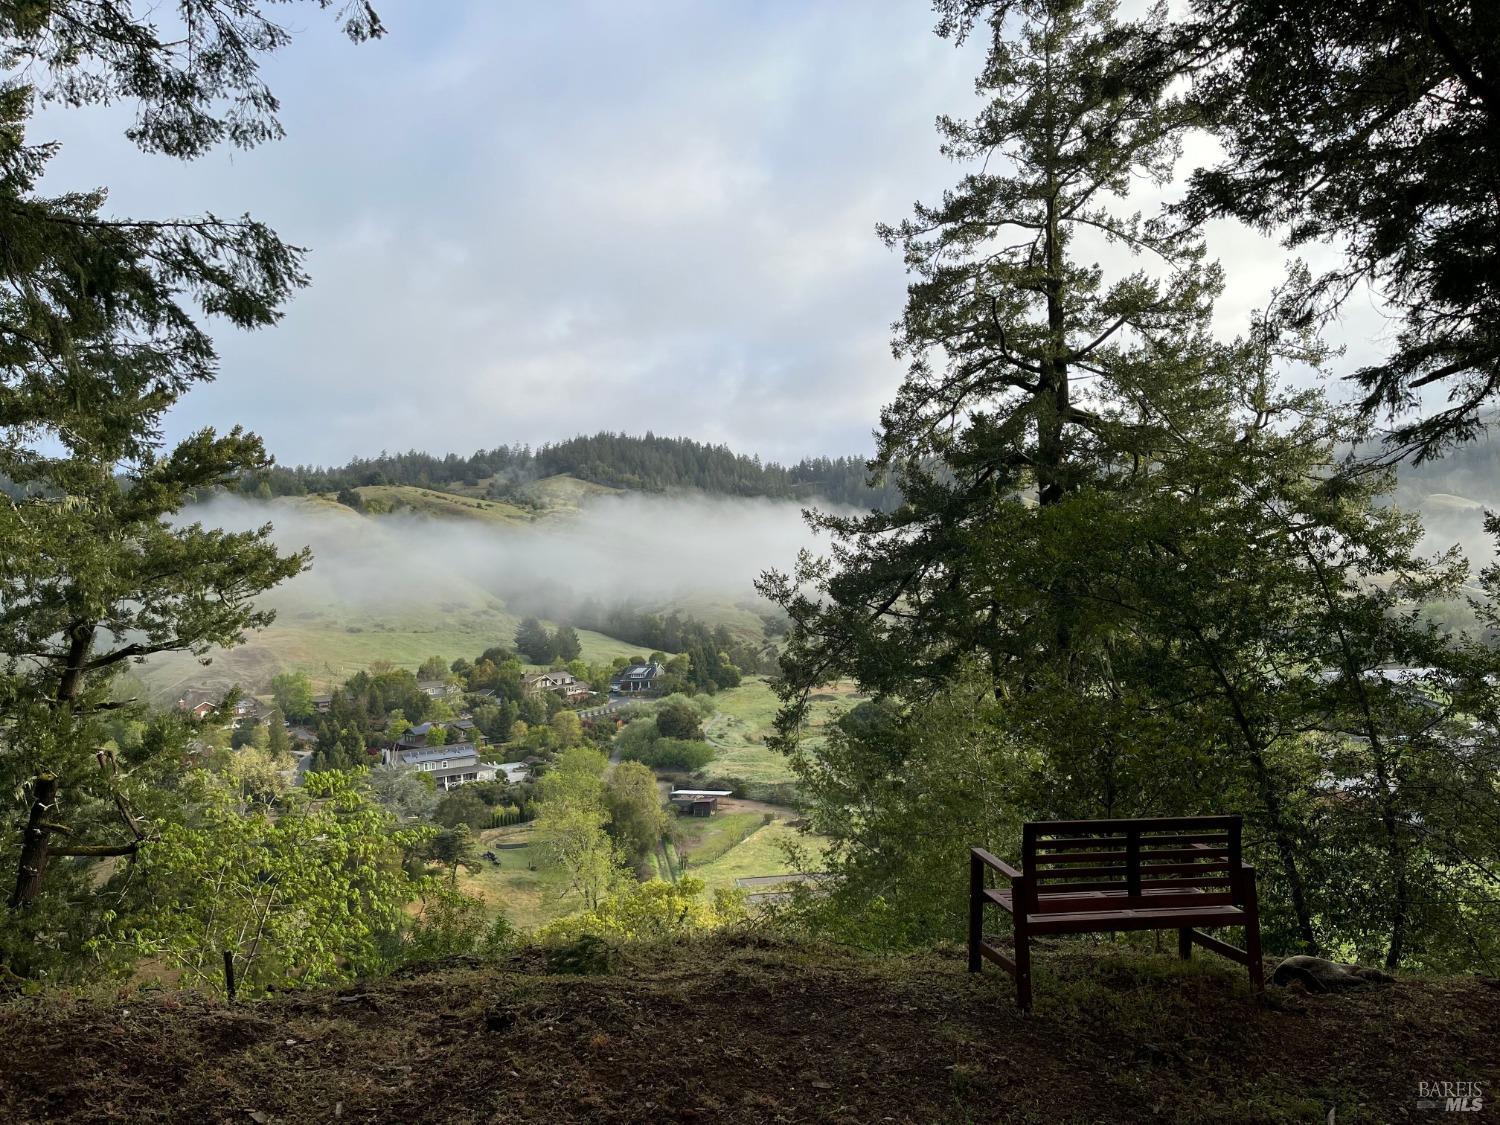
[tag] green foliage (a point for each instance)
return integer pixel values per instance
(534, 642)
(407, 794)
(1379, 134)
(433, 668)
(678, 720)
(637, 819)
(311, 892)
(462, 806)
(452, 924)
(1154, 592)
(565, 643)
(293, 694)
(669, 753)
(457, 847)
(570, 824)
(650, 911)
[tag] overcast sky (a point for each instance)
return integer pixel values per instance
(530, 221)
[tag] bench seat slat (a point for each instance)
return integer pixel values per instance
(1213, 867)
(1140, 918)
(1082, 901)
(1106, 841)
(1146, 884)
(1081, 857)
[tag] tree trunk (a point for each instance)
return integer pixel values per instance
(34, 841)
(1286, 850)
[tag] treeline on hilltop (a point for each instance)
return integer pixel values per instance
(644, 464)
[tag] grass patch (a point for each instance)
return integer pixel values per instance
(763, 852)
(745, 718)
(527, 898)
(701, 840)
(380, 499)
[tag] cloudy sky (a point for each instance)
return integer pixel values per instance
(529, 221)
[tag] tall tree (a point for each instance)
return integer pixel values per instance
(292, 693)
(100, 334)
(1175, 598)
(637, 819)
(1030, 374)
(534, 642)
(565, 643)
(1374, 124)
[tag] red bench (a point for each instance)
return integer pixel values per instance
(1099, 876)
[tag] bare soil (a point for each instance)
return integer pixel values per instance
(756, 1029)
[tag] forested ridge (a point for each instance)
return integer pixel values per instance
(648, 463)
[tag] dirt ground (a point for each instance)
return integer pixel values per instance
(753, 1028)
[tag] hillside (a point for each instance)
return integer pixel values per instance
(751, 1028)
(610, 461)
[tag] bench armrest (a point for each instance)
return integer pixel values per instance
(998, 864)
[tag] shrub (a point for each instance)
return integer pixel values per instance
(671, 754)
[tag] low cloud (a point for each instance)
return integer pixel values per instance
(645, 550)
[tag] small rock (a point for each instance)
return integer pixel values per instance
(1317, 974)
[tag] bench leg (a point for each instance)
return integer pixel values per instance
(1023, 965)
(1185, 943)
(976, 913)
(1252, 954)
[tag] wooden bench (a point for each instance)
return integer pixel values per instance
(1099, 876)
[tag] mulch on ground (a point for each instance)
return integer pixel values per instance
(755, 1029)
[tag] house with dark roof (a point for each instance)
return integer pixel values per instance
(638, 679)
(449, 766)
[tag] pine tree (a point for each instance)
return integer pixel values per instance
(565, 644)
(534, 642)
(100, 334)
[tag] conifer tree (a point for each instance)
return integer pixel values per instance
(102, 330)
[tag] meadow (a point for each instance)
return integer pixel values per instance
(744, 718)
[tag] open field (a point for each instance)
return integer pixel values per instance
(380, 499)
(744, 718)
(763, 852)
(796, 1032)
(331, 646)
(527, 898)
(701, 840)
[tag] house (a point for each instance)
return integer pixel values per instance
(449, 766)
(697, 802)
(638, 679)
(200, 703)
(249, 709)
(570, 687)
(322, 704)
(436, 689)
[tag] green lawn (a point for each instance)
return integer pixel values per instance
(763, 852)
(701, 840)
(527, 898)
(331, 645)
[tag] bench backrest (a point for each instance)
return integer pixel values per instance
(1163, 861)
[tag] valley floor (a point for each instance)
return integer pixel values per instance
(751, 1028)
